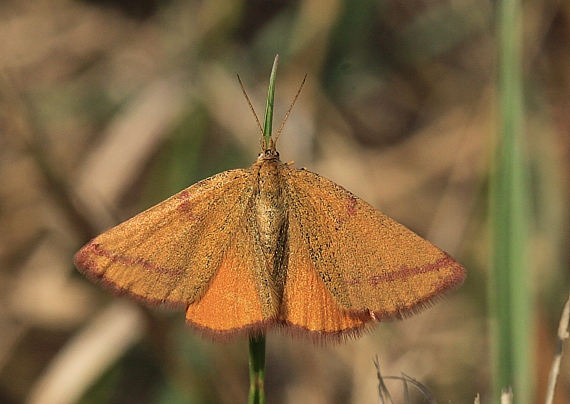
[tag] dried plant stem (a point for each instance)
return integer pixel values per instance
(507, 396)
(555, 369)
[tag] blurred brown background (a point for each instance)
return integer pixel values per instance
(109, 106)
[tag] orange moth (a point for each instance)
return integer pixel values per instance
(270, 246)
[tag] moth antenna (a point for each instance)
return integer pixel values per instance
(251, 107)
(290, 108)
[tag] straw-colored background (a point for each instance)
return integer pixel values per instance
(107, 107)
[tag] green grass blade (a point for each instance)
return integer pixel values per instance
(509, 293)
(268, 121)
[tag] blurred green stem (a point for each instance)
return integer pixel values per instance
(509, 293)
(256, 369)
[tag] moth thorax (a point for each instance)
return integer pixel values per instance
(270, 209)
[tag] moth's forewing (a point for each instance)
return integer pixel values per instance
(371, 266)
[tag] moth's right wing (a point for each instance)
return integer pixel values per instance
(170, 253)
